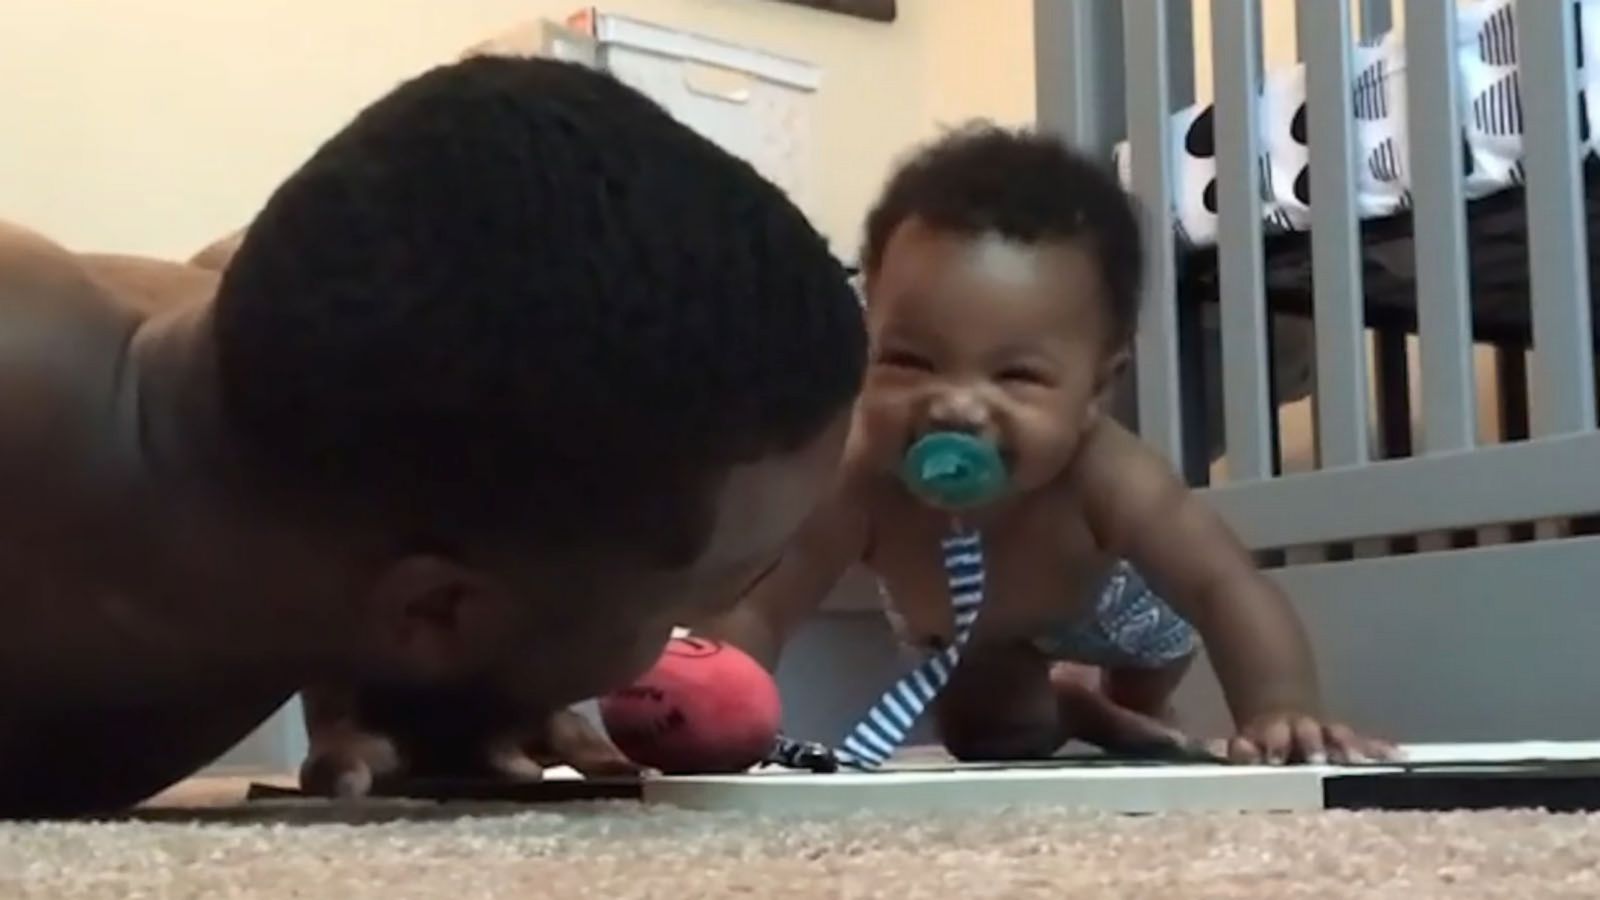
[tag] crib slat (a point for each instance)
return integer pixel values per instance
(1376, 17)
(1558, 271)
(1144, 33)
(1245, 391)
(1436, 166)
(1078, 72)
(1325, 39)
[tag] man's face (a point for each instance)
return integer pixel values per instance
(547, 638)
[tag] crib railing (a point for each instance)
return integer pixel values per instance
(1111, 70)
(1563, 392)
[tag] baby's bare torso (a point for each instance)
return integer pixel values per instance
(1043, 565)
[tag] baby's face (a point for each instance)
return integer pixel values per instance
(1005, 340)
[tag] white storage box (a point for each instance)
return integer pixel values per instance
(755, 104)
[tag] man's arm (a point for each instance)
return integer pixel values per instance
(51, 275)
(56, 317)
(832, 540)
(1140, 511)
(41, 275)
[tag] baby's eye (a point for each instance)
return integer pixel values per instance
(901, 359)
(1025, 375)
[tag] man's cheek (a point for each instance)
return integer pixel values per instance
(715, 597)
(623, 660)
(647, 649)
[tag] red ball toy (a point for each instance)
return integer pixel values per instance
(705, 708)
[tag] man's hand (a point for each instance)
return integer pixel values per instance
(569, 739)
(1294, 737)
(349, 758)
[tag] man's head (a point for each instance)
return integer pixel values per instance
(522, 321)
(1003, 279)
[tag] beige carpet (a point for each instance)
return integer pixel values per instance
(615, 852)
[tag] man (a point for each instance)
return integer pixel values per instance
(510, 377)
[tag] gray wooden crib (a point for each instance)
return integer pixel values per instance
(1438, 539)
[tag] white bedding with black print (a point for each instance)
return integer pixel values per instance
(1486, 53)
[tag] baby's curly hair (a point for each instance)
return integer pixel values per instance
(1025, 185)
(516, 295)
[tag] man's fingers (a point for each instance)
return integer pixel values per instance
(347, 766)
(573, 740)
(508, 759)
(335, 775)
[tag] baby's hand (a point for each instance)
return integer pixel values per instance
(1281, 737)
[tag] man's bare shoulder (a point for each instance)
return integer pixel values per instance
(149, 287)
(46, 289)
(64, 341)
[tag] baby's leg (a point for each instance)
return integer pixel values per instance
(1143, 645)
(1121, 711)
(1012, 702)
(1146, 689)
(1000, 705)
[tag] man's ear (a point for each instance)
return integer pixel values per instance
(429, 616)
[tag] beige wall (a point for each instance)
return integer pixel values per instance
(980, 61)
(154, 127)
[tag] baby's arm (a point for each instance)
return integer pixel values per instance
(1140, 511)
(832, 539)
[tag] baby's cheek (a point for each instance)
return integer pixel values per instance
(1047, 440)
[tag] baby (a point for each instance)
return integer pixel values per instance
(1002, 287)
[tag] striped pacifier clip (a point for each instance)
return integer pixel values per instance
(885, 726)
(953, 471)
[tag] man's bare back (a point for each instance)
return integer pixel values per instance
(103, 698)
(335, 465)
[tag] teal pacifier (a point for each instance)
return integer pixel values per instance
(954, 470)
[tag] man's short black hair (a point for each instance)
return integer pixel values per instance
(514, 295)
(1024, 185)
